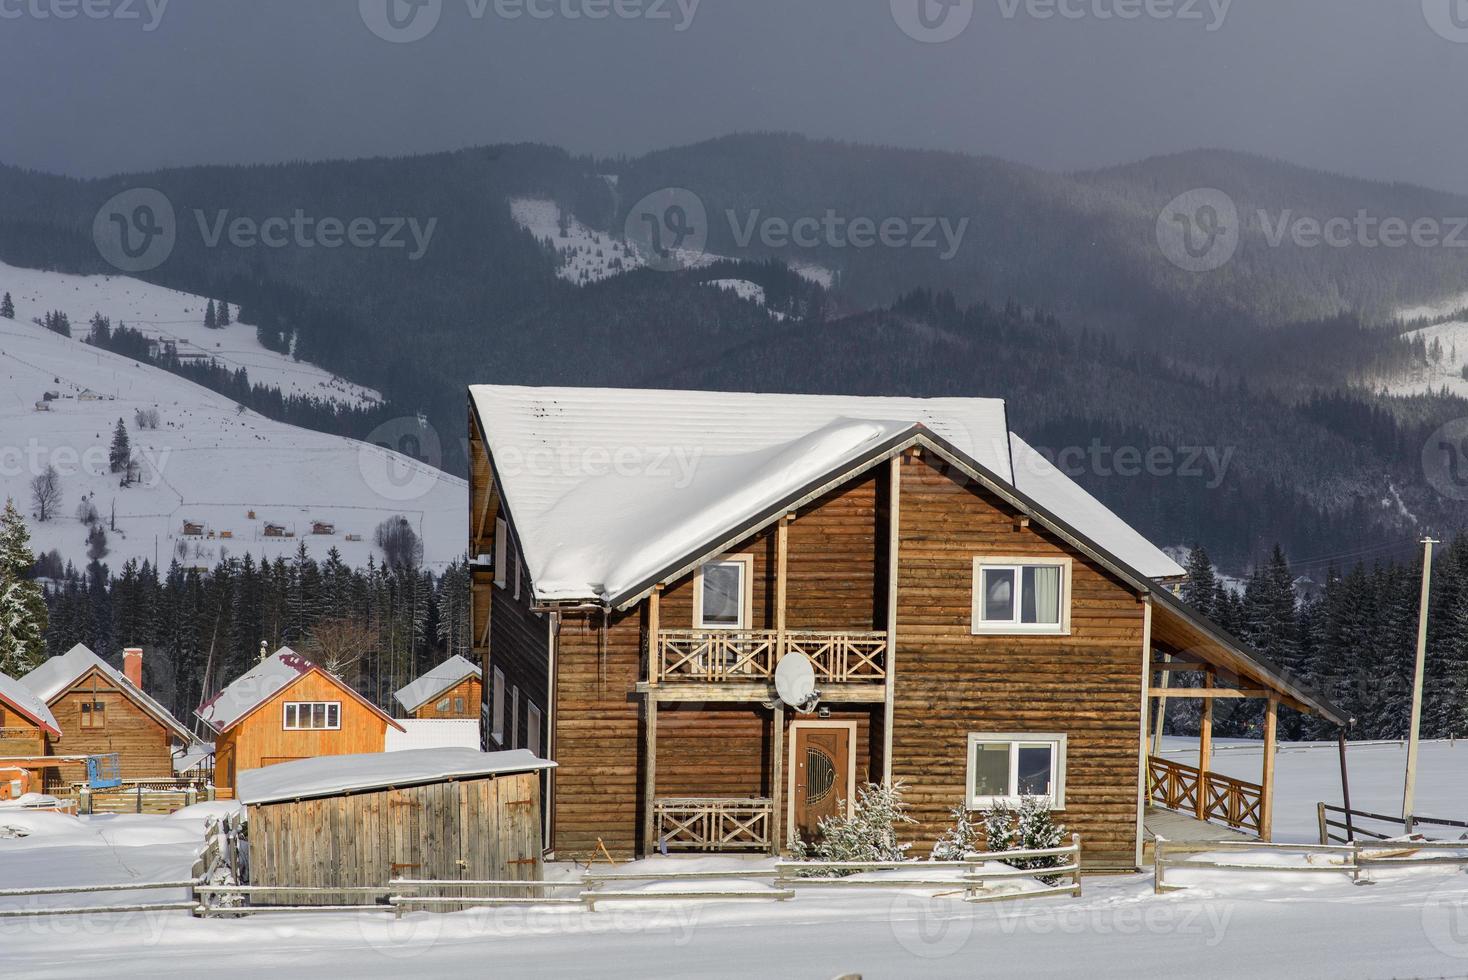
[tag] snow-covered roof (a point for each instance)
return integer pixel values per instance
(262, 682)
(609, 486)
(60, 672)
(190, 757)
(433, 733)
(431, 683)
(16, 695)
(330, 775)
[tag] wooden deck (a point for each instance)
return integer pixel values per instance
(1181, 827)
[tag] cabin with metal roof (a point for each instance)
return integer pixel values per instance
(720, 613)
(452, 689)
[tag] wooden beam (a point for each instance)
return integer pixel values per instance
(1142, 768)
(650, 778)
(1266, 805)
(744, 692)
(654, 624)
(1205, 750)
(782, 552)
(1210, 693)
(894, 542)
(1182, 666)
(1161, 695)
(777, 779)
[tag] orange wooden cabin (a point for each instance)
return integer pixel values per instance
(288, 708)
(453, 689)
(26, 727)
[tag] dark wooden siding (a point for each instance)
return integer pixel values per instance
(519, 646)
(950, 683)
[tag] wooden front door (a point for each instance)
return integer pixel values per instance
(822, 766)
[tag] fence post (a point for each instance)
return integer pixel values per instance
(140, 797)
(84, 800)
(1075, 840)
(1157, 843)
(1324, 830)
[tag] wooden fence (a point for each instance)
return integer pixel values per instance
(743, 655)
(697, 824)
(1352, 859)
(159, 797)
(1175, 786)
(1395, 826)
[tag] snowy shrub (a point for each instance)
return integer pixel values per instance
(1028, 827)
(1000, 830)
(960, 839)
(869, 834)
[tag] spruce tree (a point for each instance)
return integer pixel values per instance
(7, 307)
(23, 614)
(210, 320)
(223, 316)
(121, 453)
(1202, 584)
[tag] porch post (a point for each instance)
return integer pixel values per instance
(894, 538)
(650, 779)
(1162, 706)
(777, 777)
(1205, 747)
(654, 652)
(1266, 806)
(782, 552)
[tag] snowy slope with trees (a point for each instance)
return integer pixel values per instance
(200, 477)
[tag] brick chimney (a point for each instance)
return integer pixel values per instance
(132, 666)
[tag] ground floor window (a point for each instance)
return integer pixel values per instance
(1007, 767)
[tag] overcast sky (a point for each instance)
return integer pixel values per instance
(1368, 87)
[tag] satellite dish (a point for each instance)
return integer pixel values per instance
(795, 682)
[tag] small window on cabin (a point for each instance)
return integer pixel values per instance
(1005, 768)
(305, 716)
(1021, 596)
(532, 727)
(442, 705)
(458, 706)
(94, 714)
(497, 729)
(722, 597)
(501, 551)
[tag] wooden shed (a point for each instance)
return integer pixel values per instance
(363, 820)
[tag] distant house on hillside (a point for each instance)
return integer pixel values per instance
(288, 708)
(450, 690)
(27, 728)
(734, 609)
(322, 527)
(104, 710)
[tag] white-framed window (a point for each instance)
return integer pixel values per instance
(443, 705)
(1021, 595)
(519, 572)
(1007, 767)
(514, 718)
(722, 597)
(309, 716)
(501, 551)
(532, 727)
(497, 728)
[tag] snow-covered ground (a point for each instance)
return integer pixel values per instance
(1284, 924)
(169, 315)
(1437, 374)
(208, 462)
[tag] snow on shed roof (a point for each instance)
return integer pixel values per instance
(332, 775)
(20, 697)
(435, 681)
(60, 672)
(609, 486)
(433, 733)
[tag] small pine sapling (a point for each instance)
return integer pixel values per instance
(869, 834)
(959, 840)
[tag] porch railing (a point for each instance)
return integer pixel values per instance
(708, 824)
(736, 655)
(1174, 786)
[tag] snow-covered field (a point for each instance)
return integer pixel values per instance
(169, 315)
(1437, 375)
(208, 462)
(1408, 923)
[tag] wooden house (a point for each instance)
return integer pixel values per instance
(103, 710)
(286, 708)
(27, 730)
(322, 527)
(193, 529)
(979, 628)
(443, 814)
(452, 689)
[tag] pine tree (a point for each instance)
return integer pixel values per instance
(23, 613)
(223, 317)
(1201, 587)
(960, 839)
(121, 453)
(210, 320)
(7, 307)
(870, 833)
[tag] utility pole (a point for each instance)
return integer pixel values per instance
(1411, 788)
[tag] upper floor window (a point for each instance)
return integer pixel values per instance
(94, 714)
(721, 593)
(1021, 595)
(303, 716)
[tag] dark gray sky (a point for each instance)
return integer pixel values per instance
(1368, 87)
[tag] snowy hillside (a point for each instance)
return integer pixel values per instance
(1446, 371)
(208, 462)
(169, 315)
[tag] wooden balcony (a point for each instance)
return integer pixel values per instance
(723, 656)
(1205, 795)
(711, 824)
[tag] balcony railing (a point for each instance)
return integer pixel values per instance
(1174, 786)
(713, 824)
(839, 657)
